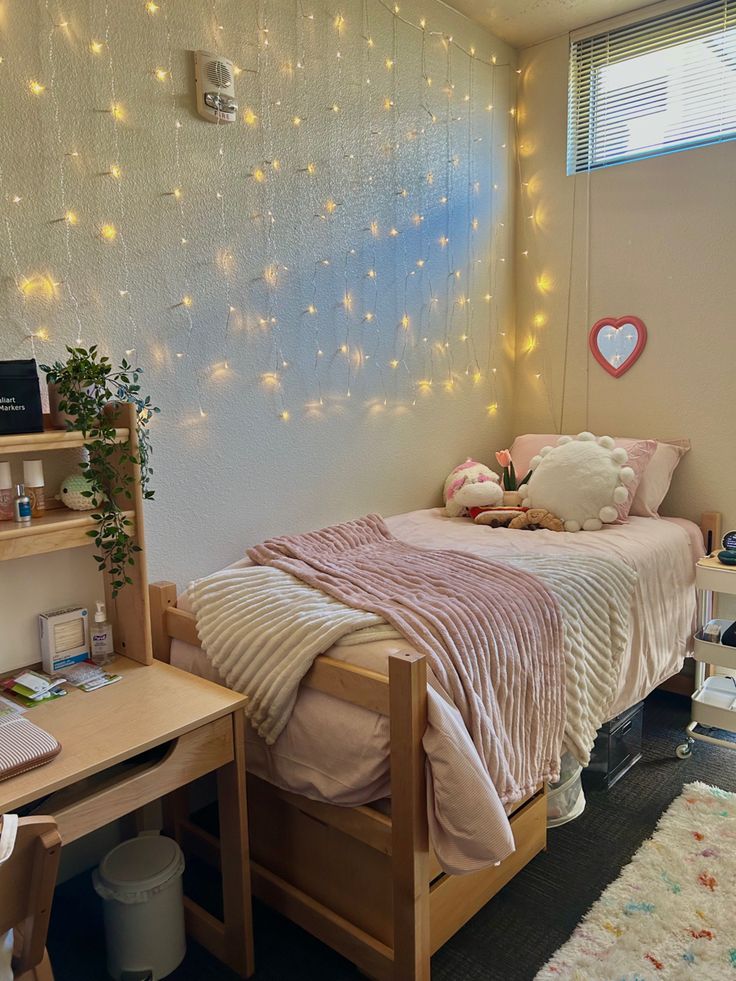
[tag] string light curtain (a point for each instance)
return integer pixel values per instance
(646, 87)
(346, 239)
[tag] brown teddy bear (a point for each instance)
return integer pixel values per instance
(526, 518)
(536, 518)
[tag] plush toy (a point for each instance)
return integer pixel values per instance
(495, 517)
(529, 519)
(581, 479)
(70, 493)
(471, 485)
(536, 518)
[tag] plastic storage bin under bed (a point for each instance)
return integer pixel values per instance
(565, 799)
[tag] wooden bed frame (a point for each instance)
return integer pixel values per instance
(366, 884)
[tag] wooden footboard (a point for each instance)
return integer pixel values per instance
(336, 879)
(365, 883)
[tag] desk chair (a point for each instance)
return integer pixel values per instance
(27, 881)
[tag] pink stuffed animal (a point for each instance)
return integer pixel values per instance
(471, 485)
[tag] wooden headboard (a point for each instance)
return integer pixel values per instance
(710, 526)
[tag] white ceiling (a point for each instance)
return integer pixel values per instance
(524, 22)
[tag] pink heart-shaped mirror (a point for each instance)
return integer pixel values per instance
(617, 342)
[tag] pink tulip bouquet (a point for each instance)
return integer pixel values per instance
(508, 477)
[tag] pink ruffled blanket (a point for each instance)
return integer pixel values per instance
(492, 634)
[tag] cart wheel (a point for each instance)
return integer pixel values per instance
(684, 750)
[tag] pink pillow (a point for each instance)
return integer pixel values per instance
(657, 477)
(641, 453)
(646, 492)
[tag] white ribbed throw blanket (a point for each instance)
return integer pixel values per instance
(262, 629)
(595, 596)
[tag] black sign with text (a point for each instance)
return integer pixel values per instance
(20, 398)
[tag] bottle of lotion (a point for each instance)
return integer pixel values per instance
(21, 506)
(34, 484)
(102, 649)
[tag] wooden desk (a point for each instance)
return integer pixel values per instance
(139, 740)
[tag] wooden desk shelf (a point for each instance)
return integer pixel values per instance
(48, 440)
(57, 529)
(61, 529)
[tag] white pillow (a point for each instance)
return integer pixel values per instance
(581, 480)
(655, 472)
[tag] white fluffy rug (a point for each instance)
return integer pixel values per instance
(671, 914)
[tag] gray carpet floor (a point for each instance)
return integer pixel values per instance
(511, 937)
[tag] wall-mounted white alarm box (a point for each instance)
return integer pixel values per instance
(214, 79)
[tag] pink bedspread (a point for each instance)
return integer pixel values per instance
(491, 633)
(336, 752)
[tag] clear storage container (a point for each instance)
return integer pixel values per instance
(565, 799)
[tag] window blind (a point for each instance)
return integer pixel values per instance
(657, 85)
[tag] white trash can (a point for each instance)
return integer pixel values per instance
(140, 883)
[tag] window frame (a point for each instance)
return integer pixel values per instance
(578, 162)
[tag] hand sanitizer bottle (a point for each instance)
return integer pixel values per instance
(102, 649)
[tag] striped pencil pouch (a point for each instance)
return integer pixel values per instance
(24, 746)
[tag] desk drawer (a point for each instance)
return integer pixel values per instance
(112, 793)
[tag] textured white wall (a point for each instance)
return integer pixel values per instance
(229, 468)
(662, 235)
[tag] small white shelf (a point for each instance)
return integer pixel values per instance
(720, 654)
(715, 703)
(714, 576)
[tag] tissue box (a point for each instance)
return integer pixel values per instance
(20, 398)
(64, 638)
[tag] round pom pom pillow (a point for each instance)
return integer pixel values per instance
(581, 480)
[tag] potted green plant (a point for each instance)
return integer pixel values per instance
(88, 386)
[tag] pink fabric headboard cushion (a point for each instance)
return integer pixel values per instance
(646, 492)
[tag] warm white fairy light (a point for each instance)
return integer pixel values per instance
(417, 253)
(268, 197)
(109, 231)
(70, 217)
(543, 281)
(182, 230)
(17, 275)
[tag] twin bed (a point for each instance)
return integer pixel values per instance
(371, 824)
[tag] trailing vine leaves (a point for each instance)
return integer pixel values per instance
(87, 382)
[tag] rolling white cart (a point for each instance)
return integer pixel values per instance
(714, 700)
